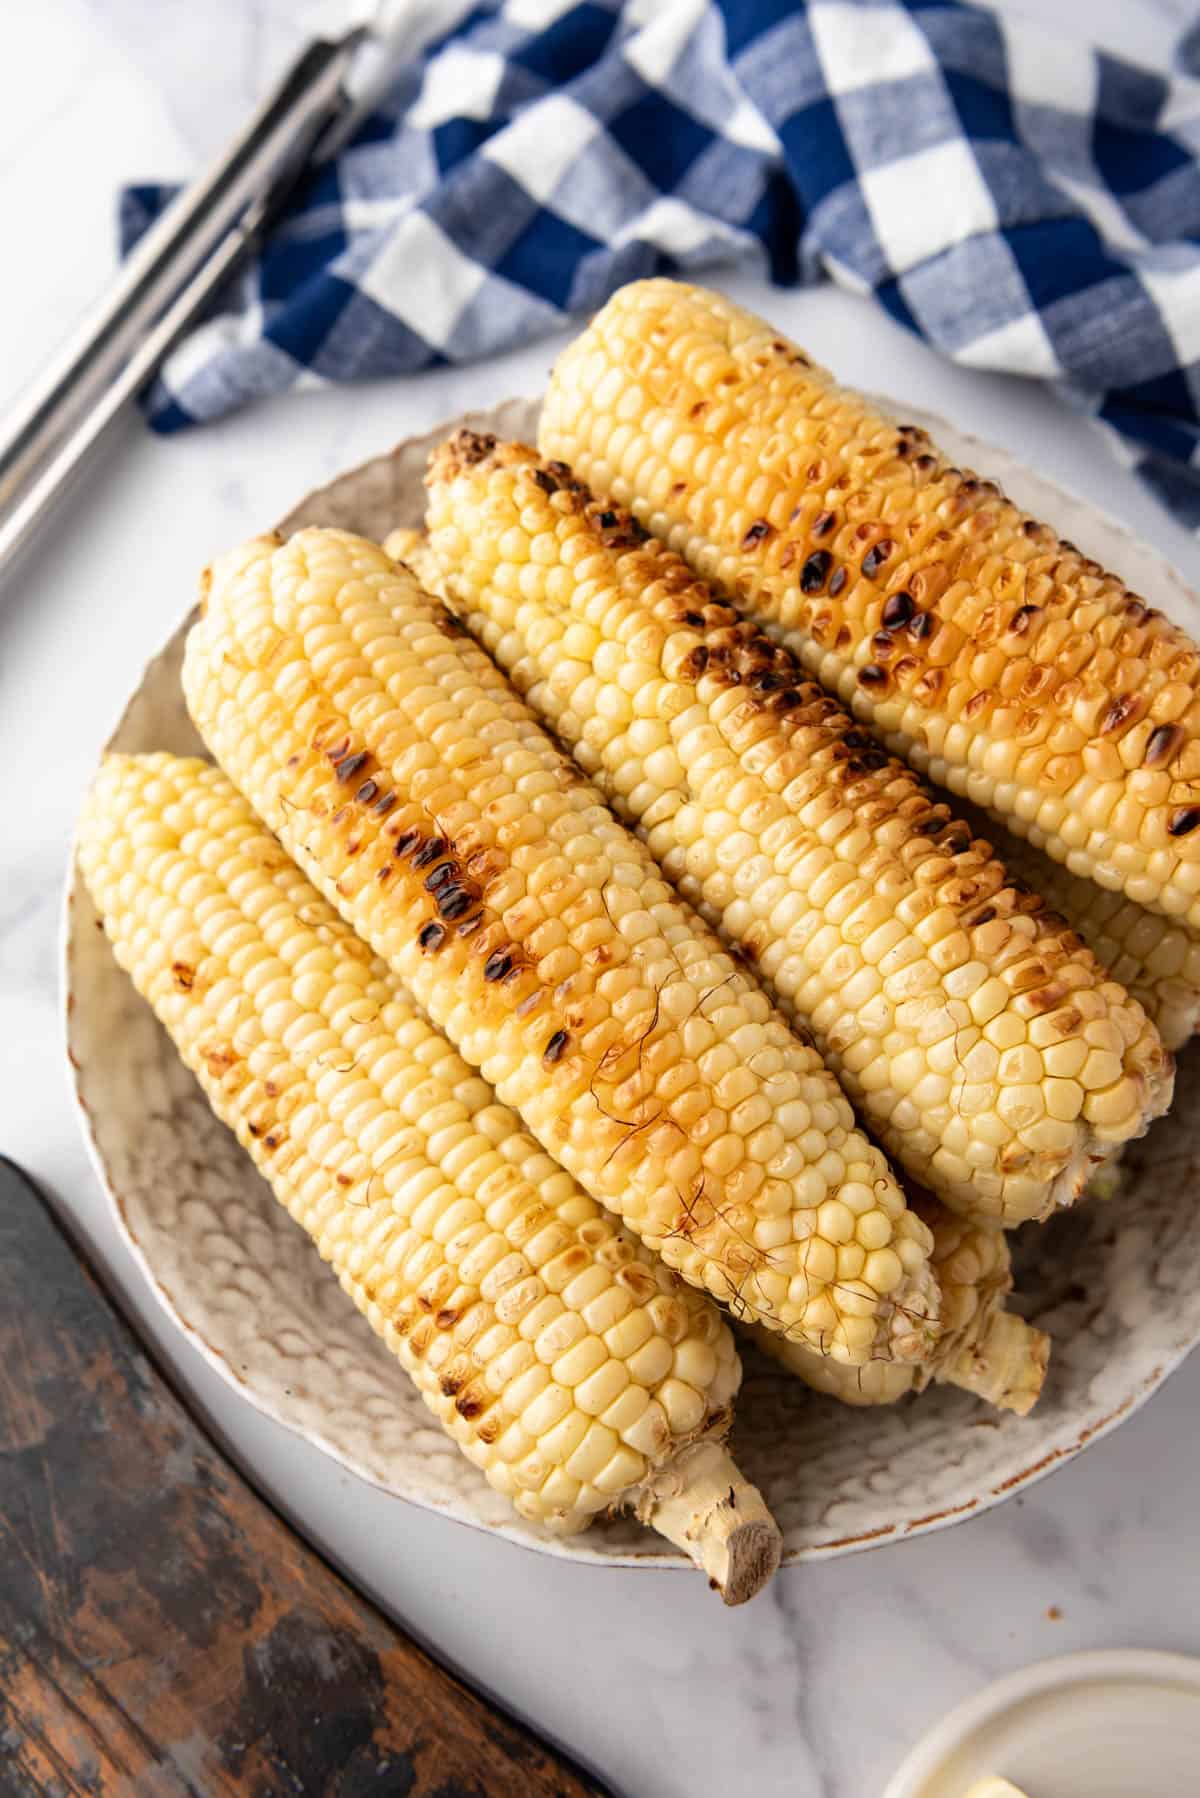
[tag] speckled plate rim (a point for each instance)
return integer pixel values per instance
(1134, 560)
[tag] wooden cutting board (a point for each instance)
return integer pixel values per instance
(162, 1630)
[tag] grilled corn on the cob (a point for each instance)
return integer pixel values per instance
(988, 652)
(398, 765)
(1157, 959)
(983, 1348)
(568, 1364)
(980, 1039)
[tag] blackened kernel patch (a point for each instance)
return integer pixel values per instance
(897, 610)
(556, 1048)
(455, 902)
(875, 557)
(815, 571)
(1163, 744)
(1118, 712)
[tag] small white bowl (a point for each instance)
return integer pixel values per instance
(1117, 1286)
(1117, 1723)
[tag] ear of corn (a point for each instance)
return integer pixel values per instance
(397, 764)
(993, 656)
(981, 1041)
(984, 1348)
(567, 1363)
(413, 549)
(1156, 959)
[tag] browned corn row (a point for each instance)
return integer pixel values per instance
(391, 756)
(567, 1363)
(1157, 959)
(992, 655)
(980, 1039)
(983, 1348)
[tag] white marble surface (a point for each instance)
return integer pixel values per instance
(817, 1690)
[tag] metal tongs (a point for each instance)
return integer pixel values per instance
(188, 255)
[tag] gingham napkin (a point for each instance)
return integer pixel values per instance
(1020, 200)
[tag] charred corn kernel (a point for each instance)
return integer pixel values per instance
(391, 756)
(983, 1348)
(992, 655)
(363, 1120)
(869, 911)
(1157, 959)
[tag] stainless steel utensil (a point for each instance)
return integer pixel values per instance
(188, 255)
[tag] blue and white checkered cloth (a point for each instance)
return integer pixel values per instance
(1020, 200)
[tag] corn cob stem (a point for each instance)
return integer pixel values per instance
(1005, 1363)
(568, 1364)
(990, 654)
(391, 756)
(704, 1506)
(980, 1039)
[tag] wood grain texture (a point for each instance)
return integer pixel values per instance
(162, 1630)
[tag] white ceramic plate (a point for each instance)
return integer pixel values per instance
(1121, 1723)
(1118, 1287)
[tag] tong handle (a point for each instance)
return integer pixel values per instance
(63, 414)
